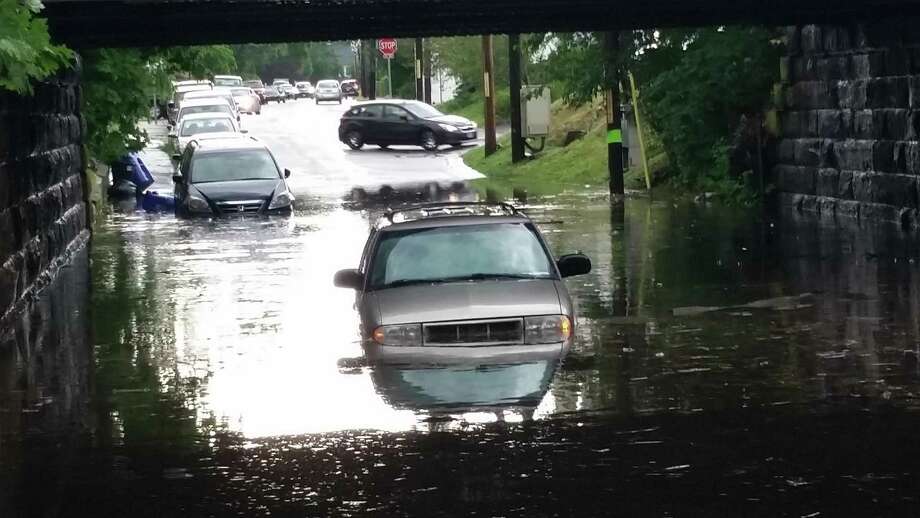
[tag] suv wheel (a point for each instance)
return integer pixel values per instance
(354, 139)
(428, 141)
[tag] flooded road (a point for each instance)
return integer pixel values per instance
(725, 365)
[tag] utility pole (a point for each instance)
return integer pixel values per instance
(419, 71)
(514, 61)
(614, 117)
(488, 90)
(426, 63)
(371, 69)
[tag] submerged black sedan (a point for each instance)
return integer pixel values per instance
(229, 174)
(397, 122)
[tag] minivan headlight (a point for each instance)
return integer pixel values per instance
(547, 330)
(198, 204)
(403, 335)
(281, 200)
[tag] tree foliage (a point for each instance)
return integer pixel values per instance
(26, 52)
(701, 85)
(119, 86)
(310, 61)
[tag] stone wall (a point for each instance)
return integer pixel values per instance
(850, 122)
(42, 209)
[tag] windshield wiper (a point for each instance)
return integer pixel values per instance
(462, 278)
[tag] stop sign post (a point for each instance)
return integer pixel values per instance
(387, 48)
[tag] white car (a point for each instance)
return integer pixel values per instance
(305, 89)
(222, 93)
(204, 105)
(228, 81)
(247, 101)
(328, 90)
(203, 123)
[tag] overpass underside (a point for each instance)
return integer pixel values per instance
(139, 23)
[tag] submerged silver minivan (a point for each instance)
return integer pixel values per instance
(464, 281)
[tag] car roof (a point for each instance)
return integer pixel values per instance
(387, 101)
(207, 115)
(430, 215)
(224, 142)
(205, 101)
(198, 94)
(227, 77)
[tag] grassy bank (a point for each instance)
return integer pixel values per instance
(582, 165)
(470, 105)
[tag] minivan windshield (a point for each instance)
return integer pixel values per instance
(459, 253)
(228, 166)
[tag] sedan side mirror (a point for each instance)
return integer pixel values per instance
(405, 118)
(348, 279)
(574, 264)
(287, 173)
(177, 178)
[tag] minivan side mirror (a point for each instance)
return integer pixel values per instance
(573, 264)
(349, 279)
(287, 173)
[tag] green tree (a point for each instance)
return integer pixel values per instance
(26, 51)
(119, 85)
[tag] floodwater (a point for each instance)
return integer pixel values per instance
(725, 365)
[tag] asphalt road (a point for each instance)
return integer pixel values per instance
(304, 138)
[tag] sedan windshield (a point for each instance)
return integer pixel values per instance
(469, 252)
(422, 110)
(228, 166)
(198, 126)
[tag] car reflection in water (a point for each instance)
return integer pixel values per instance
(467, 391)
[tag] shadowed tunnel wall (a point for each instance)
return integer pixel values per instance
(851, 122)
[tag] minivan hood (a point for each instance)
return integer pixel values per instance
(453, 120)
(473, 300)
(238, 190)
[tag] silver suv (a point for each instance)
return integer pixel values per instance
(464, 281)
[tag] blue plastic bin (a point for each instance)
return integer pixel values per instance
(158, 202)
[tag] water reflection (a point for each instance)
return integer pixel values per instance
(714, 349)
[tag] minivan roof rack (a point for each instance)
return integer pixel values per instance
(418, 211)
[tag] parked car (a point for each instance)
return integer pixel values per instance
(180, 90)
(199, 123)
(393, 122)
(205, 105)
(258, 87)
(288, 91)
(305, 89)
(226, 176)
(247, 100)
(349, 87)
(228, 81)
(216, 93)
(467, 280)
(328, 90)
(272, 94)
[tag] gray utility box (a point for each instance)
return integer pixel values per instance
(536, 111)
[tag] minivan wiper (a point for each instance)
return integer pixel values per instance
(461, 278)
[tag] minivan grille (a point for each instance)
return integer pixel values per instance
(489, 332)
(240, 207)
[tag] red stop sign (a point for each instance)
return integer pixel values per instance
(387, 47)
